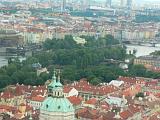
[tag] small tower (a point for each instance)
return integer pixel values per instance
(30, 118)
(55, 88)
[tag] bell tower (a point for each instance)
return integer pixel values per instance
(55, 88)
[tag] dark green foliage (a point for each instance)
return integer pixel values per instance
(54, 44)
(75, 61)
(156, 53)
(138, 70)
(4, 80)
(140, 94)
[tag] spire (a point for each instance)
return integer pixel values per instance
(59, 78)
(30, 118)
(54, 76)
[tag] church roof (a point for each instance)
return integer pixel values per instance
(55, 83)
(51, 104)
(56, 102)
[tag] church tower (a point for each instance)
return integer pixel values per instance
(56, 106)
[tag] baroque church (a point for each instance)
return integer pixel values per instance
(56, 106)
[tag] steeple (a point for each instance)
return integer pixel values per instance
(54, 76)
(30, 118)
(55, 88)
(59, 78)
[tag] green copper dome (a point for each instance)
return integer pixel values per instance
(56, 102)
(51, 104)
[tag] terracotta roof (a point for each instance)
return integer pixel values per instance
(67, 89)
(89, 114)
(132, 109)
(92, 101)
(75, 100)
(7, 108)
(109, 116)
(126, 114)
(84, 86)
(38, 98)
(132, 90)
(152, 83)
(19, 91)
(7, 95)
(128, 80)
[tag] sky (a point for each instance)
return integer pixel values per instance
(140, 1)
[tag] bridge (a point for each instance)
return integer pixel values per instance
(20, 50)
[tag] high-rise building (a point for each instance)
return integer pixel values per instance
(64, 4)
(108, 3)
(129, 4)
(122, 3)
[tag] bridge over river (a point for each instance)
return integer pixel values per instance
(142, 42)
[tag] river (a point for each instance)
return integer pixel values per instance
(142, 50)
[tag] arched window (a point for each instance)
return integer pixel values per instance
(47, 106)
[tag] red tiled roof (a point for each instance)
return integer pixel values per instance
(67, 89)
(19, 90)
(89, 114)
(126, 114)
(128, 80)
(152, 83)
(7, 95)
(92, 101)
(7, 108)
(38, 98)
(75, 100)
(132, 109)
(84, 86)
(132, 91)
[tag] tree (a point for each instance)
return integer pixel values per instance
(109, 40)
(4, 81)
(138, 70)
(11, 69)
(19, 77)
(140, 94)
(95, 81)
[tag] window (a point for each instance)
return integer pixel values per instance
(59, 107)
(50, 90)
(47, 106)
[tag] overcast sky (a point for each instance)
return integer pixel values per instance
(139, 1)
